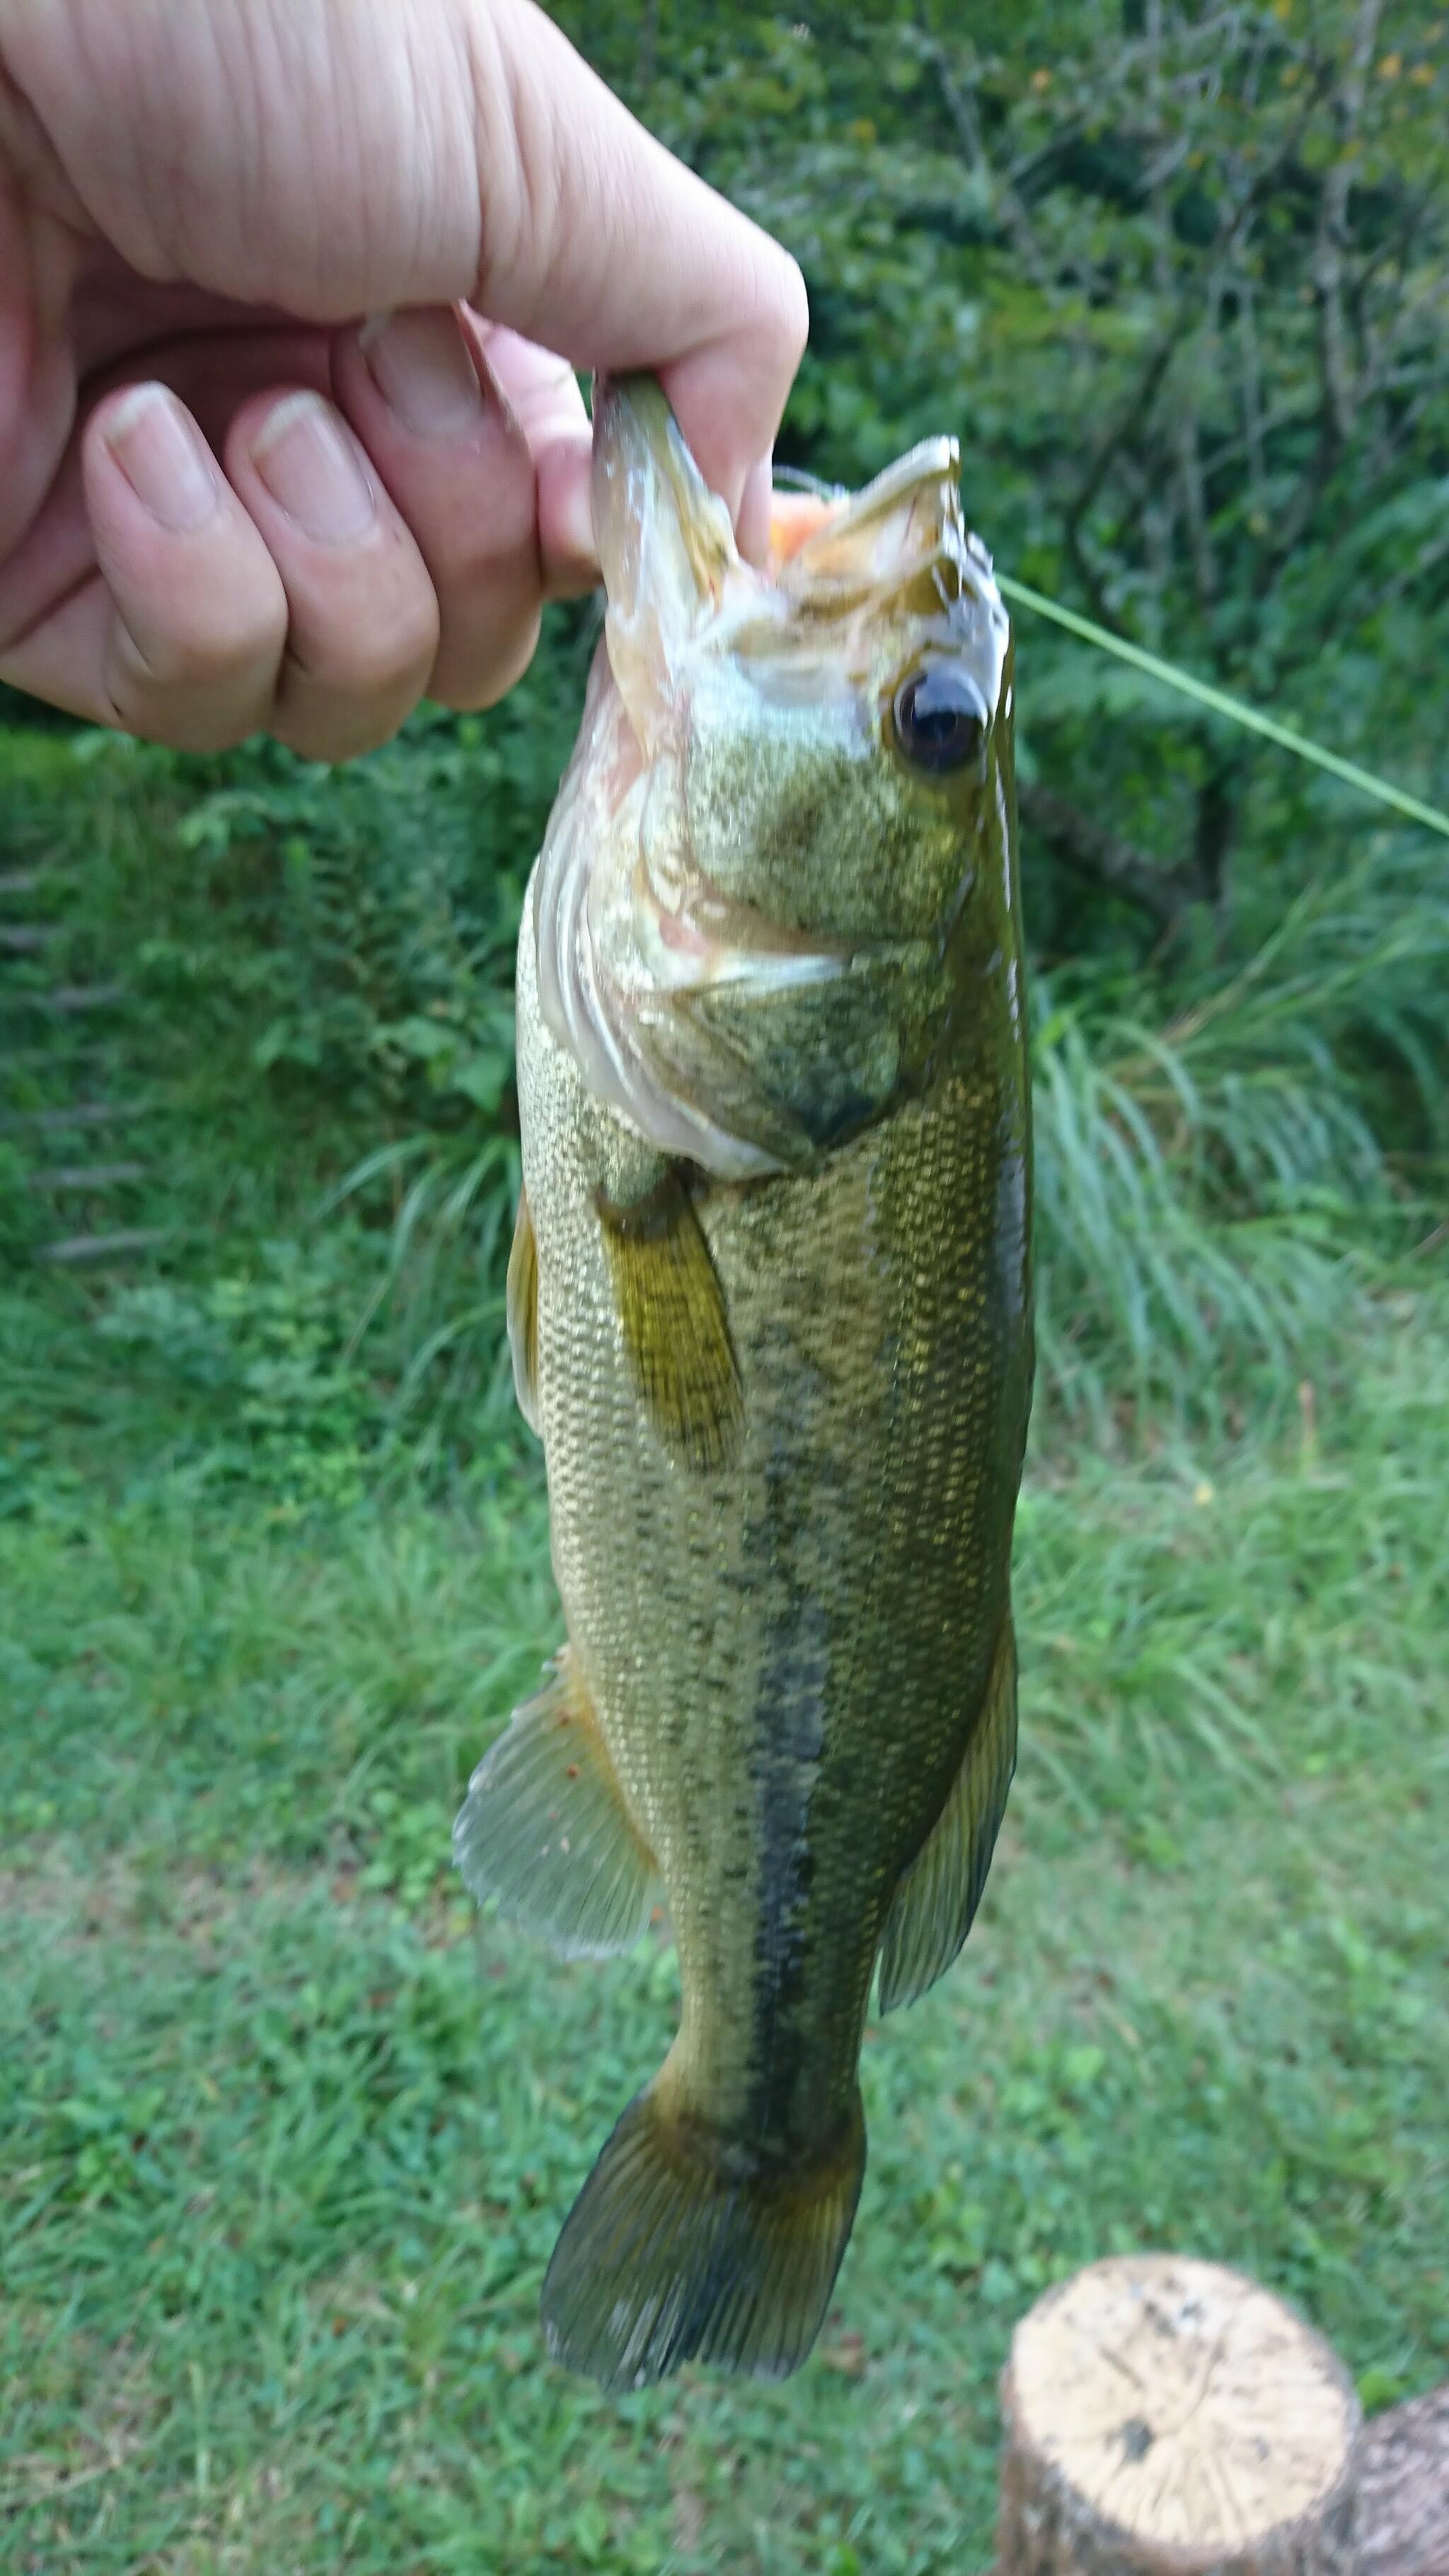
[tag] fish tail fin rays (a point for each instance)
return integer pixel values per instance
(523, 1314)
(935, 1903)
(545, 1830)
(676, 1329)
(682, 2247)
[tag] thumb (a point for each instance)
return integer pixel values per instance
(597, 242)
(329, 158)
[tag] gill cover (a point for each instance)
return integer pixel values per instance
(745, 901)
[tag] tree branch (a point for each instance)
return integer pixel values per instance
(1104, 860)
(1217, 816)
(1339, 387)
(960, 106)
(1331, 242)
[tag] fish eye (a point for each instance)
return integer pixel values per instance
(940, 717)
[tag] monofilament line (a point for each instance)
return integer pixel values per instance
(1222, 703)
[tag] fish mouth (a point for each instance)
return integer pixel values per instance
(899, 542)
(831, 520)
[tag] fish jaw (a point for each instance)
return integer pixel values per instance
(666, 547)
(735, 839)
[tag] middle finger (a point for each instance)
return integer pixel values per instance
(362, 626)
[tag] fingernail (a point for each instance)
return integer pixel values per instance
(164, 458)
(310, 465)
(423, 372)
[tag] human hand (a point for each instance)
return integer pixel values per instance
(228, 501)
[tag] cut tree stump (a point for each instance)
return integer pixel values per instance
(1166, 2417)
(1403, 2489)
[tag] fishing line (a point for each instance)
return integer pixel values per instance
(793, 478)
(1223, 704)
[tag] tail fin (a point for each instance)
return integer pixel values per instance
(682, 2246)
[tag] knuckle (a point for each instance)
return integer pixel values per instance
(383, 655)
(198, 653)
(468, 684)
(781, 318)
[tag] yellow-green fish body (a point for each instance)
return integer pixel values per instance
(770, 1301)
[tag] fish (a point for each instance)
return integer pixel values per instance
(769, 1303)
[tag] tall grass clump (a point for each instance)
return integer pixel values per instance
(1218, 1186)
(1227, 1169)
(442, 1278)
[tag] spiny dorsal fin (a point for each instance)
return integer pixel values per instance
(676, 1330)
(523, 1314)
(544, 1828)
(938, 1896)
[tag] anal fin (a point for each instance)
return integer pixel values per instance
(523, 1313)
(676, 1330)
(937, 1898)
(544, 1828)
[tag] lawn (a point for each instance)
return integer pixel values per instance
(285, 2136)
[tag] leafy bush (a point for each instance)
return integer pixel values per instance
(1179, 284)
(356, 926)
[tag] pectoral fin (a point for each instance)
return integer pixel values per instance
(523, 1314)
(544, 1828)
(676, 1330)
(938, 1896)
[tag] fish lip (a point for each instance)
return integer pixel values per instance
(637, 396)
(634, 428)
(813, 572)
(932, 461)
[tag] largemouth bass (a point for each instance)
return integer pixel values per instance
(770, 1310)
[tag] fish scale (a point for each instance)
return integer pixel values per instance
(782, 1411)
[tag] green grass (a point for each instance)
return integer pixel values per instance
(285, 2139)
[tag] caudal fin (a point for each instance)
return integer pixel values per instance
(682, 2246)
